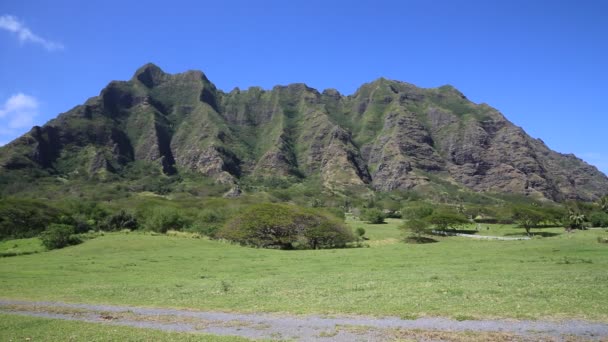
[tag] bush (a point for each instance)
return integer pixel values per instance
(163, 219)
(284, 226)
(599, 219)
(25, 218)
(360, 231)
(59, 236)
(119, 221)
(373, 216)
(209, 221)
(392, 213)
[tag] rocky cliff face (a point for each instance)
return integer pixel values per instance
(388, 135)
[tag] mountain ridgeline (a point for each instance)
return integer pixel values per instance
(388, 135)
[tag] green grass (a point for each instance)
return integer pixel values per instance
(21, 247)
(378, 233)
(21, 328)
(564, 276)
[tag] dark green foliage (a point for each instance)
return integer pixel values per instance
(392, 213)
(163, 219)
(25, 218)
(286, 227)
(59, 236)
(120, 220)
(445, 219)
(86, 215)
(210, 220)
(599, 219)
(373, 216)
(360, 231)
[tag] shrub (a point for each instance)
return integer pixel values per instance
(392, 213)
(59, 236)
(284, 226)
(119, 221)
(25, 218)
(599, 219)
(360, 231)
(163, 219)
(373, 216)
(209, 221)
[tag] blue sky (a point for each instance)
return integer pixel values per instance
(543, 64)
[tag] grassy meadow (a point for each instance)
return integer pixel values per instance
(557, 276)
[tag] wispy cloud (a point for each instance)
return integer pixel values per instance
(18, 112)
(24, 34)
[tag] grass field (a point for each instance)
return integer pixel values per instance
(559, 276)
(21, 328)
(21, 247)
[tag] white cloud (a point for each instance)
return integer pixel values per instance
(24, 34)
(18, 112)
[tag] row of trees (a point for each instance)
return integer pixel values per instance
(265, 225)
(420, 217)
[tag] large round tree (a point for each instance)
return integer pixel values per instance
(283, 226)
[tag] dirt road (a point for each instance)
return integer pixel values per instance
(311, 327)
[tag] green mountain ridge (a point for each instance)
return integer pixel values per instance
(388, 135)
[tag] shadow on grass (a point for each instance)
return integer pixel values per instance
(541, 234)
(461, 231)
(419, 240)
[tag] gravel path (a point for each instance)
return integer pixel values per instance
(300, 328)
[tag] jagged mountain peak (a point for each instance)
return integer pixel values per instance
(388, 135)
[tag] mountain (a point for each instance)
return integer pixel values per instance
(388, 135)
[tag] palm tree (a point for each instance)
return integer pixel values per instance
(577, 220)
(604, 203)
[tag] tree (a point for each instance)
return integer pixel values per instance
(576, 220)
(446, 219)
(417, 211)
(120, 220)
(527, 218)
(272, 225)
(604, 204)
(59, 236)
(373, 216)
(417, 228)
